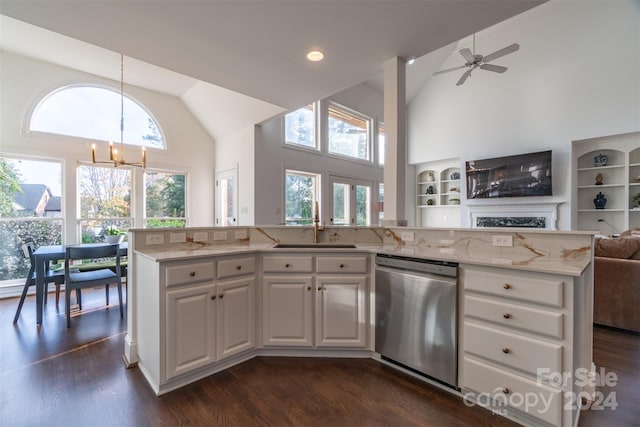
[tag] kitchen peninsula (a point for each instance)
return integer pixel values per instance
(203, 299)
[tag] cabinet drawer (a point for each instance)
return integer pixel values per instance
(513, 315)
(516, 351)
(236, 267)
(503, 386)
(290, 264)
(344, 264)
(189, 273)
(522, 286)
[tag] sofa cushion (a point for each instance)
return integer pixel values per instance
(618, 247)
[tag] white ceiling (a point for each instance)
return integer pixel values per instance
(246, 58)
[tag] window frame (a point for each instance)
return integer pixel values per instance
(316, 195)
(370, 160)
(317, 148)
(145, 217)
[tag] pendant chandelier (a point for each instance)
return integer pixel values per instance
(116, 157)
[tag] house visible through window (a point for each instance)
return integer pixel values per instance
(30, 210)
(302, 190)
(94, 113)
(299, 127)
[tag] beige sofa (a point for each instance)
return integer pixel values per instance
(616, 296)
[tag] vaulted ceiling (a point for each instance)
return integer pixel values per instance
(245, 58)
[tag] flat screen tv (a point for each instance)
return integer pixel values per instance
(511, 176)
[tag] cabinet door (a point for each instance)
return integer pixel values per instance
(235, 316)
(190, 333)
(340, 307)
(287, 311)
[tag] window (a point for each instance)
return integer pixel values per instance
(348, 133)
(299, 127)
(105, 201)
(30, 210)
(380, 203)
(350, 201)
(94, 113)
(302, 190)
(164, 199)
(381, 144)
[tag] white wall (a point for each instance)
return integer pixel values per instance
(272, 159)
(574, 77)
(24, 81)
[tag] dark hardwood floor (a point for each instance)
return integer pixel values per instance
(57, 376)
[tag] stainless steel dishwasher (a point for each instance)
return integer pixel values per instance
(416, 315)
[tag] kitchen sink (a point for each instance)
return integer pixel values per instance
(313, 246)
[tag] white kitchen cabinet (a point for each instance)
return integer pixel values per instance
(515, 324)
(327, 307)
(235, 316)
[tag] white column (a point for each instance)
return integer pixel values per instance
(395, 159)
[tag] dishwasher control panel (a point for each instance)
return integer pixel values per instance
(442, 268)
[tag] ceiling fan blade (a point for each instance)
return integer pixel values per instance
(449, 69)
(502, 52)
(494, 68)
(467, 55)
(464, 77)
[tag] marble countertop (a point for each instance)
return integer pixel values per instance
(571, 263)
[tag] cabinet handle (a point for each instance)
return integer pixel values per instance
(213, 297)
(238, 267)
(506, 350)
(287, 265)
(221, 296)
(193, 273)
(506, 390)
(506, 316)
(506, 286)
(341, 265)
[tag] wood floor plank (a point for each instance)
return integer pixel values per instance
(59, 376)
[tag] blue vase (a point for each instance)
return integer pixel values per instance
(600, 201)
(600, 160)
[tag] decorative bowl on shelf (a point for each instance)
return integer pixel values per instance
(454, 201)
(600, 160)
(455, 175)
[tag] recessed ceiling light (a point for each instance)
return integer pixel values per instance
(315, 55)
(411, 60)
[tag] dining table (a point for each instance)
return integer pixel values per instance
(45, 254)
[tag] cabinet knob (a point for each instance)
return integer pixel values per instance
(193, 273)
(505, 390)
(506, 286)
(308, 288)
(287, 265)
(213, 297)
(341, 265)
(221, 296)
(506, 316)
(506, 350)
(319, 288)
(238, 267)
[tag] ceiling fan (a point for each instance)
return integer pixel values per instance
(478, 61)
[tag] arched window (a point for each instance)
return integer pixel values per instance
(94, 113)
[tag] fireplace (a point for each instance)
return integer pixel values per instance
(521, 216)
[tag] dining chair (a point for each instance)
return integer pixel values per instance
(50, 276)
(91, 278)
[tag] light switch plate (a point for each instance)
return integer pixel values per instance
(155, 239)
(219, 235)
(200, 236)
(177, 237)
(240, 234)
(502, 240)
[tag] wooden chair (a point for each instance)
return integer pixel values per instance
(92, 278)
(50, 276)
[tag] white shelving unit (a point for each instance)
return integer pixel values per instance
(620, 182)
(438, 194)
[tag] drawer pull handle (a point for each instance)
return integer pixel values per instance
(193, 273)
(238, 267)
(287, 265)
(506, 390)
(221, 296)
(506, 350)
(213, 297)
(506, 316)
(341, 265)
(506, 286)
